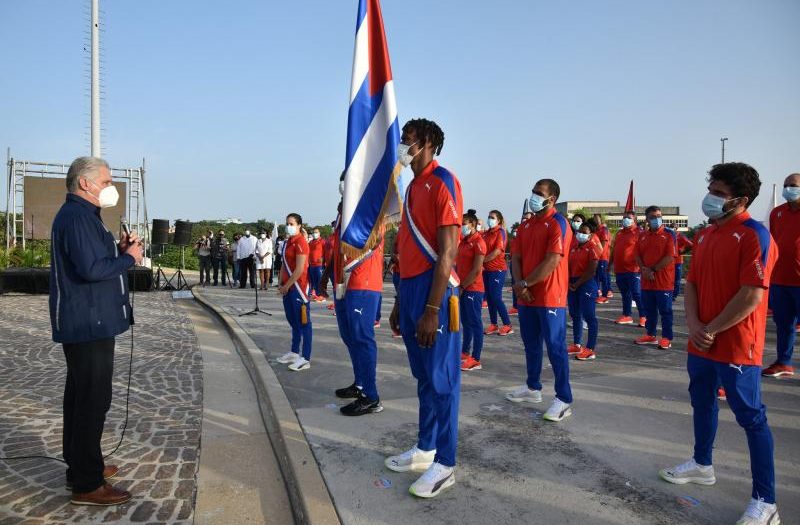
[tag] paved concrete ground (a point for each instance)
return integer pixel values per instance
(631, 417)
(239, 480)
(157, 459)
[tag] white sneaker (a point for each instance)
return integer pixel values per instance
(689, 472)
(760, 513)
(557, 411)
(288, 357)
(523, 393)
(414, 459)
(300, 364)
(436, 479)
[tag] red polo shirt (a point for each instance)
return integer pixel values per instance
(652, 247)
(469, 248)
(495, 239)
(581, 255)
(683, 244)
(784, 225)
(739, 253)
(549, 233)
(605, 237)
(317, 252)
(625, 248)
(434, 200)
(367, 275)
(294, 246)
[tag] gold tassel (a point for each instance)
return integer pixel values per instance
(454, 315)
(303, 315)
(394, 192)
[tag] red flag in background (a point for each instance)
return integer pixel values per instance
(630, 204)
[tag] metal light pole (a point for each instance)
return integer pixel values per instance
(95, 90)
(722, 140)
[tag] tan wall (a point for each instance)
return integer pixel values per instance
(44, 197)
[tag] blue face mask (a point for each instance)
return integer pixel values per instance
(466, 230)
(536, 203)
(627, 222)
(291, 230)
(491, 222)
(791, 193)
(713, 206)
(583, 237)
(655, 222)
(576, 225)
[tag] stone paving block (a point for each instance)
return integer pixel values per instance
(163, 435)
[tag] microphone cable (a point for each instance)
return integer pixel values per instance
(127, 394)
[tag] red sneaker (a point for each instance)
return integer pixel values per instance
(625, 319)
(610, 294)
(585, 354)
(665, 343)
(513, 311)
(601, 300)
(646, 340)
(471, 364)
(484, 304)
(331, 306)
(506, 330)
(465, 356)
(642, 321)
(778, 370)
(573, 349)
(491, 330)
(377, 324)
(721, 395)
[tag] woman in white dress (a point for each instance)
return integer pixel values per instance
(264, 259)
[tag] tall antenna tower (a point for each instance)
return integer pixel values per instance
(95, 90)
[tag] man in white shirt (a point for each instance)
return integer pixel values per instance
(245, 255)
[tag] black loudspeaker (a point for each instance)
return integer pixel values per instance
(25, 280)
(140, 278)
(183, 233)
(160, 231)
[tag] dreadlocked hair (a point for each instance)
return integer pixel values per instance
(428, 132)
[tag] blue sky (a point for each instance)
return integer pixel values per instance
(240, 107)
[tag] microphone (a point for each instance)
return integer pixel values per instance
(125, 229)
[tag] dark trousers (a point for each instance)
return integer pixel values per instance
(247, 265)
(87, 398)
(205, 268)
(221, 265)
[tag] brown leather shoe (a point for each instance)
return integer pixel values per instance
(108, 472)
(103, 496)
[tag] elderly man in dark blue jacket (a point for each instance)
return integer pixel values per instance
(88, 307)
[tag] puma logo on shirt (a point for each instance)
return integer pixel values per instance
(359, 312)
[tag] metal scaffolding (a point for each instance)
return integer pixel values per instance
(136, 205)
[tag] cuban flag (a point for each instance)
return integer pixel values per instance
(372, 187)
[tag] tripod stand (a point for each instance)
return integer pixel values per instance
(160, 273)
(181, 283)
(256, 310)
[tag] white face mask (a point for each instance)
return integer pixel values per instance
(108, 196)
(247, 233)
(263, 235)
(341, 187)
(403, 156)
(291, 230)
(316, 235)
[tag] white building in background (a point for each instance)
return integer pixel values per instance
(612, 212)
(229, 220)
